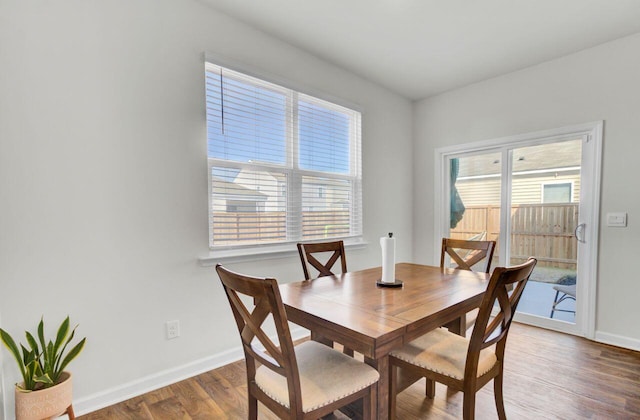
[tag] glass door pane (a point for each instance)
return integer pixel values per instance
(475, 194)
(545, 199)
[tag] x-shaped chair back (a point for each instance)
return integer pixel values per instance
(308, 259)
(466, 254)
(505, 287)
(267, 301)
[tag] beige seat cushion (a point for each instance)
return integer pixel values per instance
(445, 353)
(326, 375)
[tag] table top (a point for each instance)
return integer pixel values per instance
(349, 308)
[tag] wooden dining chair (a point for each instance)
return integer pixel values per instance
(309, 251)
(465, 255)
(307, 381)
(465, 364)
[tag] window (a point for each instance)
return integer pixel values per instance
(556, 192)
(283, 166)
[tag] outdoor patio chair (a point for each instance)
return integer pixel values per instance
(465, 364)
(307, 381)
(565, 290)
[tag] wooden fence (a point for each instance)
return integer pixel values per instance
(237, 228)
(541, 230)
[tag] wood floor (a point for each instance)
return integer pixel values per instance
(548, 375)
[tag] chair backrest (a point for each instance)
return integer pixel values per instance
(308, 260)
(505, 287)
(266, 301)
(467, 253)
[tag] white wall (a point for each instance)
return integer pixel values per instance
(103, 179)
(596, 84)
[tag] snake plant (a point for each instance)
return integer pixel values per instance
(42, 362)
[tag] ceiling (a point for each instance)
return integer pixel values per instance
(419, 48)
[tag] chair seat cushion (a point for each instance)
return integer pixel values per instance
(326, 375)
(445, 353)
(567, 290)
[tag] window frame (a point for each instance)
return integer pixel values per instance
(568, 182)
(291, 168)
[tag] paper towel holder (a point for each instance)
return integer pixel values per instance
(396, 283)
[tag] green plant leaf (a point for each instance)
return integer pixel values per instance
(72, 355)
(31, 366)
(57, 365)
(13, 349)
(43, 379)
(49, 361)
(41, 337)
(32, 342)
(61, 335)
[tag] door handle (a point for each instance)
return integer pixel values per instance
(579, 232)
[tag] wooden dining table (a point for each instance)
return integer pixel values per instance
(352, 310)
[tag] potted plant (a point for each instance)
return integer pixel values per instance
(45, 390)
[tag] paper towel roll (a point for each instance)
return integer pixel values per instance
(388, 245)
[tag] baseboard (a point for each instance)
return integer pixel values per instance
(161, 379)
(618, 340)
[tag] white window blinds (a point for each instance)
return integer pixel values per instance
(283, 166)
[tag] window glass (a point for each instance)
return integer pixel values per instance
(283, 166)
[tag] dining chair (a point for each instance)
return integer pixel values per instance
(307, 381)
(309, 251)
(460, 363)
(466, 254)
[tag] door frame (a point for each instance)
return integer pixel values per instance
(591, 157)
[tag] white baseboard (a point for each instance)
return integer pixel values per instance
(618, 340)
(161, 379)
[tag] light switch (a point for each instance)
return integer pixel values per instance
(617, 219)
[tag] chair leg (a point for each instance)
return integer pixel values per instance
(469, 406)
(253, 408)
(430, 389)
(393, 390)
(555, 302)
(499, 397)
(369, 402)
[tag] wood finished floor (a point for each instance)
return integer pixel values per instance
(548, 375)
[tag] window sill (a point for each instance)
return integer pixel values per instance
(263, 253)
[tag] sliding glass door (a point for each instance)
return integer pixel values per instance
(538, 197)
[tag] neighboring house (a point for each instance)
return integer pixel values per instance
(262, 191)
(270, 186)
(230, 197)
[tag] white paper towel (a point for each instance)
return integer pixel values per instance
(388, 245)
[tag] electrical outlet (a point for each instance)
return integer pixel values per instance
(173, 329)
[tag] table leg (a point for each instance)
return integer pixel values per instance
(458, 325)
(320, 339)
(382, 366)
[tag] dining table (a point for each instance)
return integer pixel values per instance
(354, 310)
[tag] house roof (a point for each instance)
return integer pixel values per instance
(233, 190)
